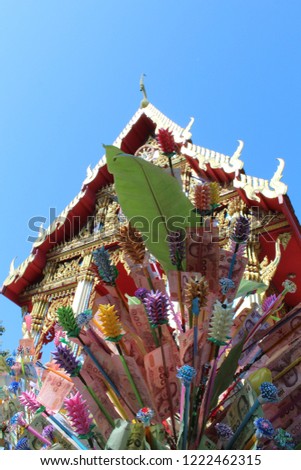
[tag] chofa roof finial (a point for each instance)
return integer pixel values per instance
(144, 101)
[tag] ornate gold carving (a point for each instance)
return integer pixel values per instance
(86, 276)
(223, 224)
(54, 305)
(118, 256)
(56, 274)
(111, 220)
(285, 238)
(236, 205)
(106, 206)
(100, 226)
(86, 231)
(67, 269)
(87, 258)
(150, 152)
(51, 319)
(268, 268)
(40, 297)
(37, 314)
(92, 298)
(252, 271)
(49, 271)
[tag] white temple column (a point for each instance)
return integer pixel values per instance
(84, 287)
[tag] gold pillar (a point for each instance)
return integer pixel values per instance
(252, 272)
(38, 313)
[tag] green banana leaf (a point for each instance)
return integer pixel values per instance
(245, 287)
(151, 199)
(224, 377)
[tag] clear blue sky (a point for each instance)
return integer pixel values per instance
(69, 82)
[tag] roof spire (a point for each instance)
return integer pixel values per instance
(144, 101)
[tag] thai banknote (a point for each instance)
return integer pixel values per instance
(39, 423)
(113, 367)
(142, 326)
(285, 330)
(289, 381)
(242, 403)
(244, 324)
(53, 392)
(140, 279)
(186, 345)
(283, 414)
(203, 254)
(157, 380)
(173, 284)
(136, 440)
(28, 346)
(94, 381)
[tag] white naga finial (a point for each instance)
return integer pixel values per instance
(186, 134)
(12, 266)
(236, 155)
(278, 187)
(235, 162)
(274, 183)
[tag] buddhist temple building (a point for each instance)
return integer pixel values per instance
(59, 270)
(182, 333)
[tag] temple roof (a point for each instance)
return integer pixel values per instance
(207, 164)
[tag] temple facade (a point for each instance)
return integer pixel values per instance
(59, 270)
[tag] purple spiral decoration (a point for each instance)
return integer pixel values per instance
(141, 293)
(241, 230)
(157, 308)
(64, 357)
(176, 243)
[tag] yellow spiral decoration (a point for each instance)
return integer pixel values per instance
(214, 193)
(109, 322)
(196, 286)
